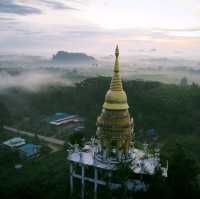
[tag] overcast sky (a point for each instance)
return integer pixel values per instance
(41, 27)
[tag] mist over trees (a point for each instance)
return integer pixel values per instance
(4, 115)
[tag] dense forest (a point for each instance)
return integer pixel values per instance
(172, 110)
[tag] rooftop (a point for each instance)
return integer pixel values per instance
(29, 150)
(59, 116)
(62, 118)
(15, 142)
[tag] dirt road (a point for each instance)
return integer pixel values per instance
(50, 140)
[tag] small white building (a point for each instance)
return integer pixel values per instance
(63, 118)
(14, 142)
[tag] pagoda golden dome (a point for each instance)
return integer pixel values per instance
(116, 98)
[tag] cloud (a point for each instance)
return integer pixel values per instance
(52, 4)
(57, 5)
(12, 7)
(181, 29)
(89, 39)
(22, 7)
(7, 19)
(31, 80)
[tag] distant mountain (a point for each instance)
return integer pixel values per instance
(62, 56)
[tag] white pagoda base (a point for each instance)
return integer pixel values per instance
(141, 164)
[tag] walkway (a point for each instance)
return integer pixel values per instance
(41, 137)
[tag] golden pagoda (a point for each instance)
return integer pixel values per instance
(113, 144)
(114, 125)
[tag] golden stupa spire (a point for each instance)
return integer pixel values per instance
(114, 125)
(116, 83)
(116, 97)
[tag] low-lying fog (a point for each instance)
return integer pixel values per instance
(33, 73)
(32, 80)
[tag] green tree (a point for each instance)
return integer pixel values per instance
(4, 115)
(123, 173)
(182, 174)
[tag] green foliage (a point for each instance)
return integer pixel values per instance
(183, 171)
(76, 138)
(124, 170)
(46, 177)
(171, 109)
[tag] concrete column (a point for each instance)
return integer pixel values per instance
(119, 155)
(95, 182)
(71, 177)
(82, 181)
(104, 154)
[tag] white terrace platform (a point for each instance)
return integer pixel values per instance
(141, 163)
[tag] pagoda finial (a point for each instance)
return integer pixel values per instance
(116, 97)
(117, 51)
(116, 67)
(116, 83)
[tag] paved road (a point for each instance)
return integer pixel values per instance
(54, 148)
(41, 137)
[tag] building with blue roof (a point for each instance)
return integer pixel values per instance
(63, 118)
(29, 150)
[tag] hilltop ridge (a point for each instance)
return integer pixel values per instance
(63, 56)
